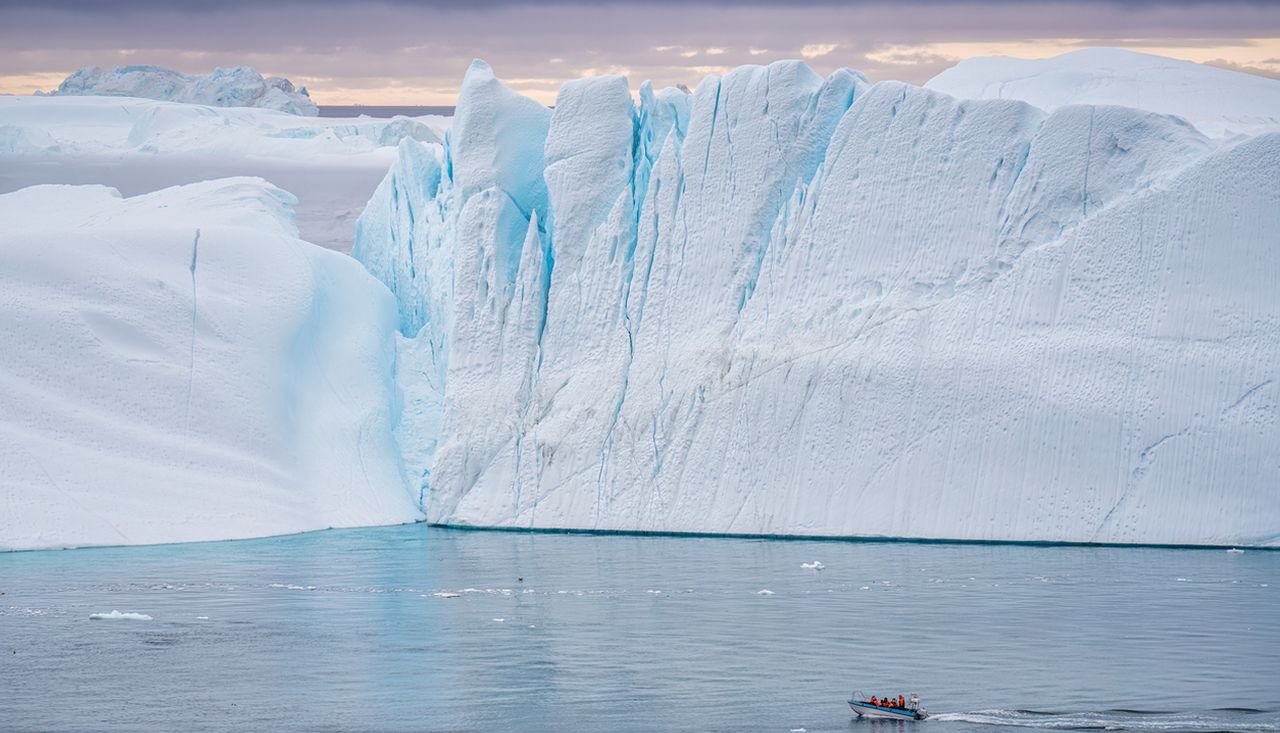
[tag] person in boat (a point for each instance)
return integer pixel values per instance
(873, 700)
(902, 702)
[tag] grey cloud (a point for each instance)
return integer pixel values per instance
(427, 45)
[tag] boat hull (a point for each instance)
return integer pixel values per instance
(867, 710)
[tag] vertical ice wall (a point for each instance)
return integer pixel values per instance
(795, 305)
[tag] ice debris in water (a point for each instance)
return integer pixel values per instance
(117, 616)
(1235, 551)
(499, 620)
(447, 594)
(764, 592)
(815, 565)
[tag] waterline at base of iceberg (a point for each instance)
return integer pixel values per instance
(867, 539)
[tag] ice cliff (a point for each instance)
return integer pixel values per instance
(794, 305)
(239, 86)
(180, 366)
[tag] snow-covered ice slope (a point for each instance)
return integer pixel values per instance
(180, 366)
(239, 86)
(1217, 101)
(806, 306)
(62, 126)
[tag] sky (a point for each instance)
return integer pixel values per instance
(414, 52)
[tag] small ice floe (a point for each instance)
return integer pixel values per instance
(654, 592)
(202, 618)
(1183, 580)
(1235, 551)
(815, 565)
(447, 594)
(764, 592)
(117, 616)
(499, 620)
(798, 730)
(865, 587)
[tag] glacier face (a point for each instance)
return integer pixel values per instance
(239, 86)
(803, 306)
(179, 366)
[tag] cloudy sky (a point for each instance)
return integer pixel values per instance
(415, 51)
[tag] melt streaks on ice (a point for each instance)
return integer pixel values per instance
(803, 306)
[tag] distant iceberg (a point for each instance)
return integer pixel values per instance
(239, 86)
(796, 305)
(64, 127)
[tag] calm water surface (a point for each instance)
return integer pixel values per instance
(418, 628)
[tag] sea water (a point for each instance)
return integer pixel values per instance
(419, 628)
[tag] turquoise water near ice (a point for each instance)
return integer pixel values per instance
(421, 628)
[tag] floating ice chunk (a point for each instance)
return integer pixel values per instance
(815, 565)
(202, 618)
(117, 616)
(447, 594)
(1235, 551)
(764, 592)
(499, 620)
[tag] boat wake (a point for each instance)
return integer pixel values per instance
(1220, 720)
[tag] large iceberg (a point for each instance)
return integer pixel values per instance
(803, 306)
(239, 86)
(180, 366)
(1217, 101)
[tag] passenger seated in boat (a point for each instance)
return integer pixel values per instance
(902, 702)
(873, 700)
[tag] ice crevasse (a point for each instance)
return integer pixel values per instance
(792, 305)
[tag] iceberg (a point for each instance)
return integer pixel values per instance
(179, 366)
(794, 305)
(63, 127)
(239, 86)
(1217, 101)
